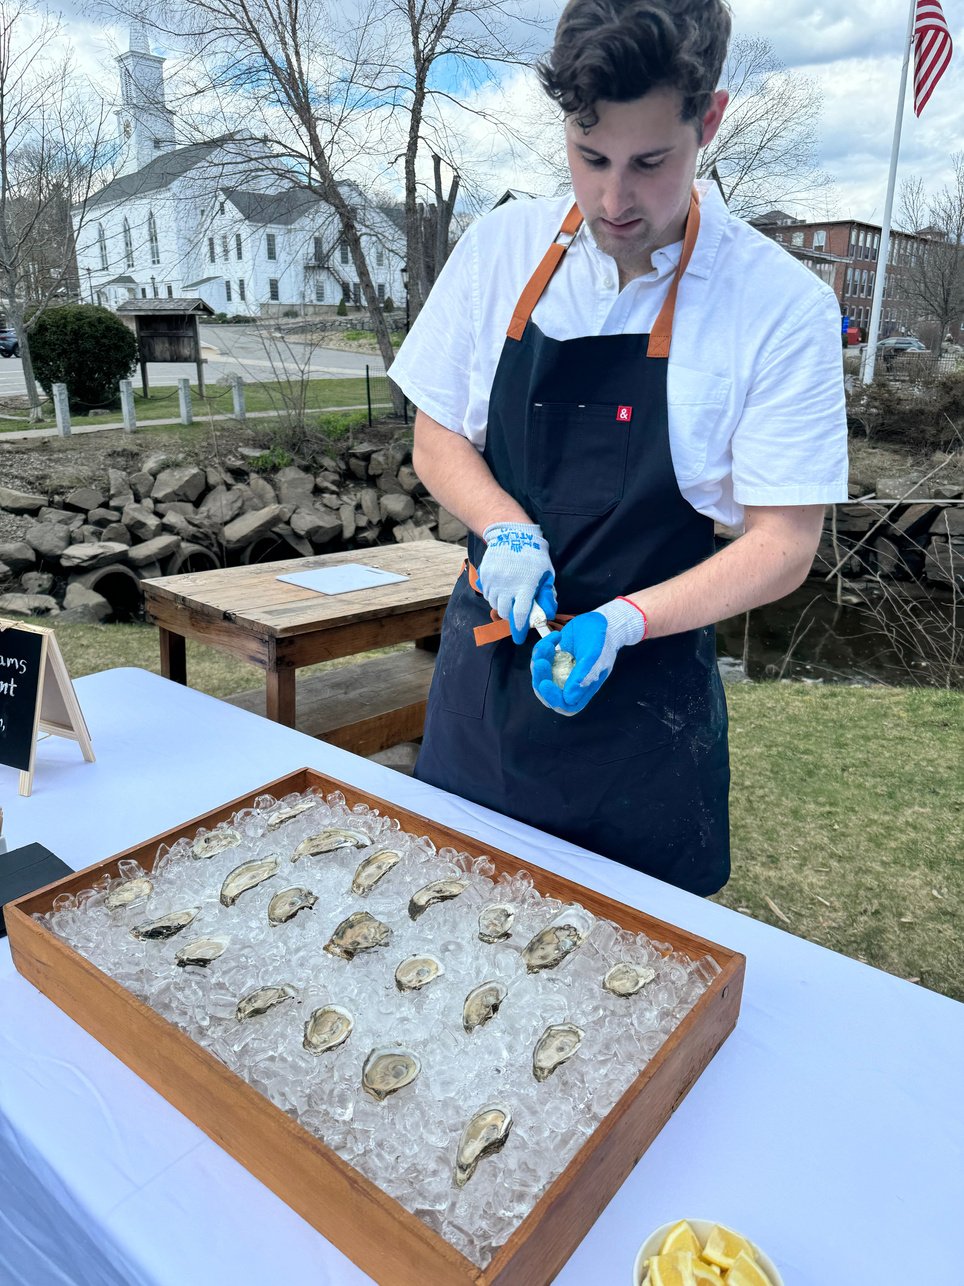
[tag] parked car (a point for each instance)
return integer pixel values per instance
(901, 344)
(9, 344)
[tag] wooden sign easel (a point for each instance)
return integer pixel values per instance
(36, 695)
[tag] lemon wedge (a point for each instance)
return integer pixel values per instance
(723, 1246)
(675, 1269)
(706, 1274)
(681, 1237)
(745, 1271)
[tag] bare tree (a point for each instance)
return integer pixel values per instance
(765, 152)
(934, 277)
(52, 154)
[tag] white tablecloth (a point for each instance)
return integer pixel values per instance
(828, 1128)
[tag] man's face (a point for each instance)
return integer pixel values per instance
(632, 173)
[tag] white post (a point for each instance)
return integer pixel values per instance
(870, 352)
(127, 405)
(237, 396)
(61, 409)
(184, 400)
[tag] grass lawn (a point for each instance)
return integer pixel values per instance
(847, 805)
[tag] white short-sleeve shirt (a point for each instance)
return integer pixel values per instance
(755, 376)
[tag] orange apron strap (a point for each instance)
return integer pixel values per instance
(498, 628)
(662, 331)
(543, 275)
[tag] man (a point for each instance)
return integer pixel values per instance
(588, 419)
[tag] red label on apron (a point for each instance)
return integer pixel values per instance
(624, 414)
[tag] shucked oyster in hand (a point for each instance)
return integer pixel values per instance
(485, 1134)
(360, 932)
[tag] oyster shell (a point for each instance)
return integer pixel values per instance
(284, 906)
(562, 666)
(247, 876)
(215, 842)
(482, 1003)
(437, 891)
(555, 1046)
(626, 978)
(262, 999)
(330, 840)
(327, 1028)
(416, 972)
(485, 1134)
(165, 926)
(388, 1070)
(201, 952)
(360, 932)
(129, 892)
(281, 815)
(372, 868)
(551, 945)
(495, 921)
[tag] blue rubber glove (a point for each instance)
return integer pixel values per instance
(592, 639)
(515, 572)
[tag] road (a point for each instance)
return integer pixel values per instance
(247, 351)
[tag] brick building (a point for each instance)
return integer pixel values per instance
(844, 254)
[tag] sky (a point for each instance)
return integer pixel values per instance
(850, 48)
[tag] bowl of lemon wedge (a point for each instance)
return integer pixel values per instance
(698, 1252)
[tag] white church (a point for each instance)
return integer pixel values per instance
(205, 221)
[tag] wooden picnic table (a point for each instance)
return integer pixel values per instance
(246, 611)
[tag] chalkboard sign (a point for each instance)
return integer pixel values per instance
(22, 657)
(36, 694)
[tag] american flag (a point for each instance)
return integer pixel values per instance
(932, 51)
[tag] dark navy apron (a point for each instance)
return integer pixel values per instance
(578, 434)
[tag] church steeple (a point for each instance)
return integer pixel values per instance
(145, 124)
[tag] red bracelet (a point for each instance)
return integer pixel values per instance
(622, 598)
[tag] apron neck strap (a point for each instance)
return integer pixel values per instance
(659, 339)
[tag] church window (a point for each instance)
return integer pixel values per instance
(380, 257)
(242, 294)
(356, 294)
(319, 292)
(346, 292)
(221, 208)
(238, 249)
(128, 246)
(225, 253)
(128, 129)
(381, 292)
(273, 288)
(170, 291)
(227, 291)
(343, 252)
(102, 246)
(152, 238)
(143, 292)
(211, 255)
(271, 246)
(318, 255)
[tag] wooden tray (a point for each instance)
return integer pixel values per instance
(384, 1239)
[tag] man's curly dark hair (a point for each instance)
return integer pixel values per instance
(618, 50)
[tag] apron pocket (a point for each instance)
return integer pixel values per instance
(462, 670)
(575, 457)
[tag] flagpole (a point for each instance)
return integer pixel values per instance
(870, 352)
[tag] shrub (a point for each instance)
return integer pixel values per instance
(341, 310)
(389, 305)
(272, 458)
(220, 317)
(85, 347)
(290, 312)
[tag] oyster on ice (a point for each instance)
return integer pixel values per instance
(495, 922)
(262, 999)
(247, 876)
(416, 972)
(129, 892)
(555, 1046)
(626, 978)
(551, 945)
(359, 932)
(482, 1003)
(485, 1134)
(201, 952)
(281, 815)
(330, 840)
(327, 1028)
(284, 906)
(165, 926)
(437, 891)
(388, 1070)
(215, 842)
(372, 868)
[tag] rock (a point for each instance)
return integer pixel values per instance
(47, 514)
(450, 528)
(358, 467)
(119, 488)
(180, 525)
(85, 534)
(330, 466)
(408, 531)
(902, 487)
(249, 526)
(369, 504)
(389, 459)
(141, 484)
(294, 486)
(141, 522)
(410, 481)
(103, 516)
(327, 481)
(150, 571)
(21, 502)
(951, 522)
(186, 483)
(217, 477)
(28, 605)
(297, 543)
(83, 499)
(944, 562)
(17, 555)
(347, 515)
(49, 539)
(222, 504)
(156, 462)
(317, 525)
(37, 582)
(389, 484)
(262, 491)
(152, 551)
(396, 508)
(116, 531)
(182, 507)
(82, 604)
(361, 451)
(94, 554)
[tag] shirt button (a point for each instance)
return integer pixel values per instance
(608, 283)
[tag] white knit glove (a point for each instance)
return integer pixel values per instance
(515, 572)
